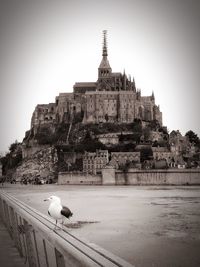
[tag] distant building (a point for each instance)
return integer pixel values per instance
(108, 138)
(112, 98)
(178, 143)
(44, 113)
(156, 136)
(120, 159)
(168, 156)
(93, 162)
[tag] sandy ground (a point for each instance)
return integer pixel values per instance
(147, 226)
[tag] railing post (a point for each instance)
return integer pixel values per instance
(59, 259)
(29, 244)
(15, 231)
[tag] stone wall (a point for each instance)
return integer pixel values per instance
(158, 177)
(79, 178)
(110, 176)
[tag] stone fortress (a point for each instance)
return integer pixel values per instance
(112, 98)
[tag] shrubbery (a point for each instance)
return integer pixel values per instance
(13, 158)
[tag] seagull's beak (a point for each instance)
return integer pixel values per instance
(46, 199)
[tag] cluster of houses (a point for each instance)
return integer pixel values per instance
(176, 154)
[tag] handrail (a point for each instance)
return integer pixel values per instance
(37, 242)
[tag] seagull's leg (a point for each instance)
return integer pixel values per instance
(55, 225)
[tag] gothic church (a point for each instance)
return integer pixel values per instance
(112, 98)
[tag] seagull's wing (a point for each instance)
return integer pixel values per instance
(66, 212)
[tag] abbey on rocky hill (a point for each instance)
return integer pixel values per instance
(112, 98)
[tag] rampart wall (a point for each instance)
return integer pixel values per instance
(133, 177)
(79, 178)
(158, 177)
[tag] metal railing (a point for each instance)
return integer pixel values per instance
(42, 246)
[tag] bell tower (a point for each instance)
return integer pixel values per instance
(104, 70)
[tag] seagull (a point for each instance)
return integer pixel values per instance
(57, 211)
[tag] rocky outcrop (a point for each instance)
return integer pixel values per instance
(40, 166)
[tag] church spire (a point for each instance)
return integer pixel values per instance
(105, 52)
(104, 67)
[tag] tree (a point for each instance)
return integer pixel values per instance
(13, 146)
(154, 125)
(193, 138)
(146, 153)
(78, 117)
(13, 158)
(147, 133)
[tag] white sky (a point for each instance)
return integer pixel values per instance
(47, 46)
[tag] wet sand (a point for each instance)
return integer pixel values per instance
(147, 226)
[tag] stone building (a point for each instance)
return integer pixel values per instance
(173, 157)
(167, 155)
(93, 162)
(109, 139)
(178, 144)
(119, 159)
(44, 113)
(112, 98)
